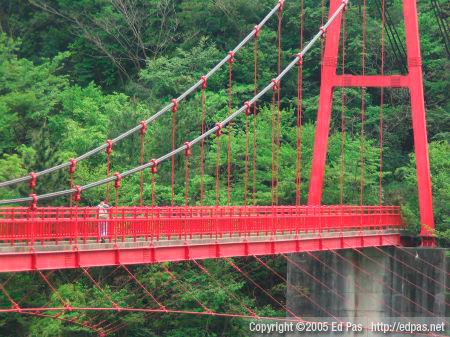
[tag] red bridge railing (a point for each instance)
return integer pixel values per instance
(165, 223)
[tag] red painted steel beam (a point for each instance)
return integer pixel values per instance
(329, 64)
(65, 259)
(419, 122)
(374, 81)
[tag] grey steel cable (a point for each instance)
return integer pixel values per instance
(153, 117)
(176, 151)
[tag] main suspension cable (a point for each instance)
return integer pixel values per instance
(199, 138)
(153, 118)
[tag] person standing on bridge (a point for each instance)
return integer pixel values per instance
(103, 215)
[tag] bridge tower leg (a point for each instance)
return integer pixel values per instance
(419, 122)
(328, 75)
(413, 82)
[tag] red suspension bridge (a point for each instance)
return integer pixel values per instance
(37, 238)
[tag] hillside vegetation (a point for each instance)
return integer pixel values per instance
(75, 73)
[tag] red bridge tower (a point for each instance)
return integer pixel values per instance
(412, 81)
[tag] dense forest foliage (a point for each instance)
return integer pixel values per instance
(75, 73)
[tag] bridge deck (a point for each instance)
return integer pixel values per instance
(63, 237)
(66, 254)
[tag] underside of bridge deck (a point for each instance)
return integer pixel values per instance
(92, 254)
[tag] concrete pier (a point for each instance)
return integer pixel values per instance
(369, 286)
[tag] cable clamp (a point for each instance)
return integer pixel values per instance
(231, 55)
(144, 127)
(116, 307)
(219, 129)
(345, 3)
(323, 30)
(281, 5)
(154, 167)
(275, 85)
(118, 180)
(72, 166)
(187, 150)
(77, 194)
(174, 105)
(33, 182)
(248, 111)
(257, 30)
(15, 306)
(204, 79)
(34, 201)
(109, 146)
(300, 59)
